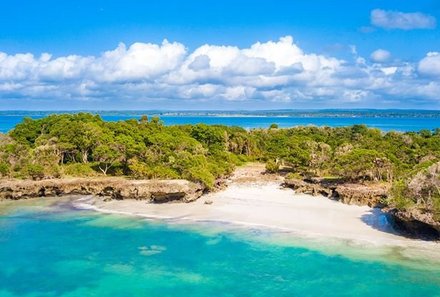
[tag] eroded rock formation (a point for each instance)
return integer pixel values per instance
(157, 191)
(416, 223)
(372, 195)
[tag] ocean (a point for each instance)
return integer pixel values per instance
(398, 120)
(57, 251)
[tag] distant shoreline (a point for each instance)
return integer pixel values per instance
(385, 120)
(218, 112)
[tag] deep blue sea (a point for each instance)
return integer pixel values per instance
(64, 252)
(384, 120)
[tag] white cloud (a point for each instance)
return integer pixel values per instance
(430, 65)
(380, 56)
(273, 71)
(139, 61)
(200, 63)
(400, 20)
(389, 70)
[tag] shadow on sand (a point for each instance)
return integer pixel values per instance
(379, 220)
(384, 222)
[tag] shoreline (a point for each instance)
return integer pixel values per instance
(238, 211)
(250, 197)
(268, 206)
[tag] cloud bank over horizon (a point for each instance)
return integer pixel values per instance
(278, 73)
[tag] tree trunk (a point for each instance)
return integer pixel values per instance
(105, 169)
(85, 156)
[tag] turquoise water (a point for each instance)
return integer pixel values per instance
(62, 252)
(386, 121)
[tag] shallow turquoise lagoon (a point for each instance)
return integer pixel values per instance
(62, 252)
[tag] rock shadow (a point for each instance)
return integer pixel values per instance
(384, 222)
(381, 221)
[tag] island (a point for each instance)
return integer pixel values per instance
(145, 161)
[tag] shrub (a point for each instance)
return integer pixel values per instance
(78, 169)
(200, 175)
(272, 166)
(294, 175)
(160, 171)
(35, 171)
(398, 196)
(4, 169)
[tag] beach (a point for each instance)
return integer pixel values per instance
(254, 199)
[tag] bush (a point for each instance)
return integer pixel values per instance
(78, 169)
(35, 171)
(52, 171)
(160, 171)
(142, 170)
(4, 169)
(200, 175)
(293, 175)
(398, 195)
(273, 126)
(272, 166)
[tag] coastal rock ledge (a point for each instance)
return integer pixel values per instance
(155, 191)
(372, 195)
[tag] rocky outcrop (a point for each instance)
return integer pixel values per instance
(416, 223)
(156, 191)
(372, 195)
(311, 187)
(421, 216)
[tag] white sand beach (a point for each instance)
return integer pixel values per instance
(253, 199)
(267, 205)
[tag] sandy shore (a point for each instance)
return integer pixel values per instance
(268, 205)
(255, 200)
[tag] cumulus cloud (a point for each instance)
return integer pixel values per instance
(380, 55)
(430, 65)
(401, 20)
(272, 71)
(200, 62)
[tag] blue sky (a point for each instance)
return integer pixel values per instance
(59, 42)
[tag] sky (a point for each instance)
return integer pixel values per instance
(180, 55)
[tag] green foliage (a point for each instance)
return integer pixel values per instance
(209, 135)
(78, 169)
(273, 126)
(293, 175)
(201, 175)
(272, 166)
(142, 170)
(35, 171)
(362, 164)
(399, 192)
(27, 131)
(4, 169)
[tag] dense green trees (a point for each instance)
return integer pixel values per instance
(83, 145)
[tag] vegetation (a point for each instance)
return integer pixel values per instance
(84, 145)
